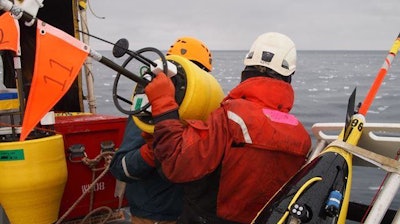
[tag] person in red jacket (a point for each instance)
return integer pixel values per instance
(234, 162)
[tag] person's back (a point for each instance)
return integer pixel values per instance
(152, 198)
(248, 148)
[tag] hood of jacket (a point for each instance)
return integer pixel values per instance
(269, 92)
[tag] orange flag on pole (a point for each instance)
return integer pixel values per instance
(9, 32)
(58, 59)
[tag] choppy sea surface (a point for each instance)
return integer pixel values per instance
(323, 83)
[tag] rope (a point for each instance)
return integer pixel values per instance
(96, 210)
(90, 8)
(92, 164)
(386, 163)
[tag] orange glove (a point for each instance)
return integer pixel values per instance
(161, 94)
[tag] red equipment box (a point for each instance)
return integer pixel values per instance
(88, 132)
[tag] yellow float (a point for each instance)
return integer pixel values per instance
(198, 94)
(33, 176)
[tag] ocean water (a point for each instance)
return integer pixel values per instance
(323, 83)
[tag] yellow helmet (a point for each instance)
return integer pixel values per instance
(194, 50)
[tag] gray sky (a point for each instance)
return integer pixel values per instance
(234, 24)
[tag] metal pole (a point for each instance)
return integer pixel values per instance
(88, 68)
(384, 199)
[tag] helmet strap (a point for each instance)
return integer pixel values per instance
(257, 71)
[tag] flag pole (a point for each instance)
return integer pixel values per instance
(380, 76)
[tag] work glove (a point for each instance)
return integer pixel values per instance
(161, 94)
(146, 151)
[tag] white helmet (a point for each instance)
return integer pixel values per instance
(275, 51)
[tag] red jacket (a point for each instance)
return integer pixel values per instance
(246, 150)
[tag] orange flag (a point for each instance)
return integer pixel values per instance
(58, 59)
(9, 33)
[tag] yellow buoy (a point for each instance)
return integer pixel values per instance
(33, 176)
(198, 93)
